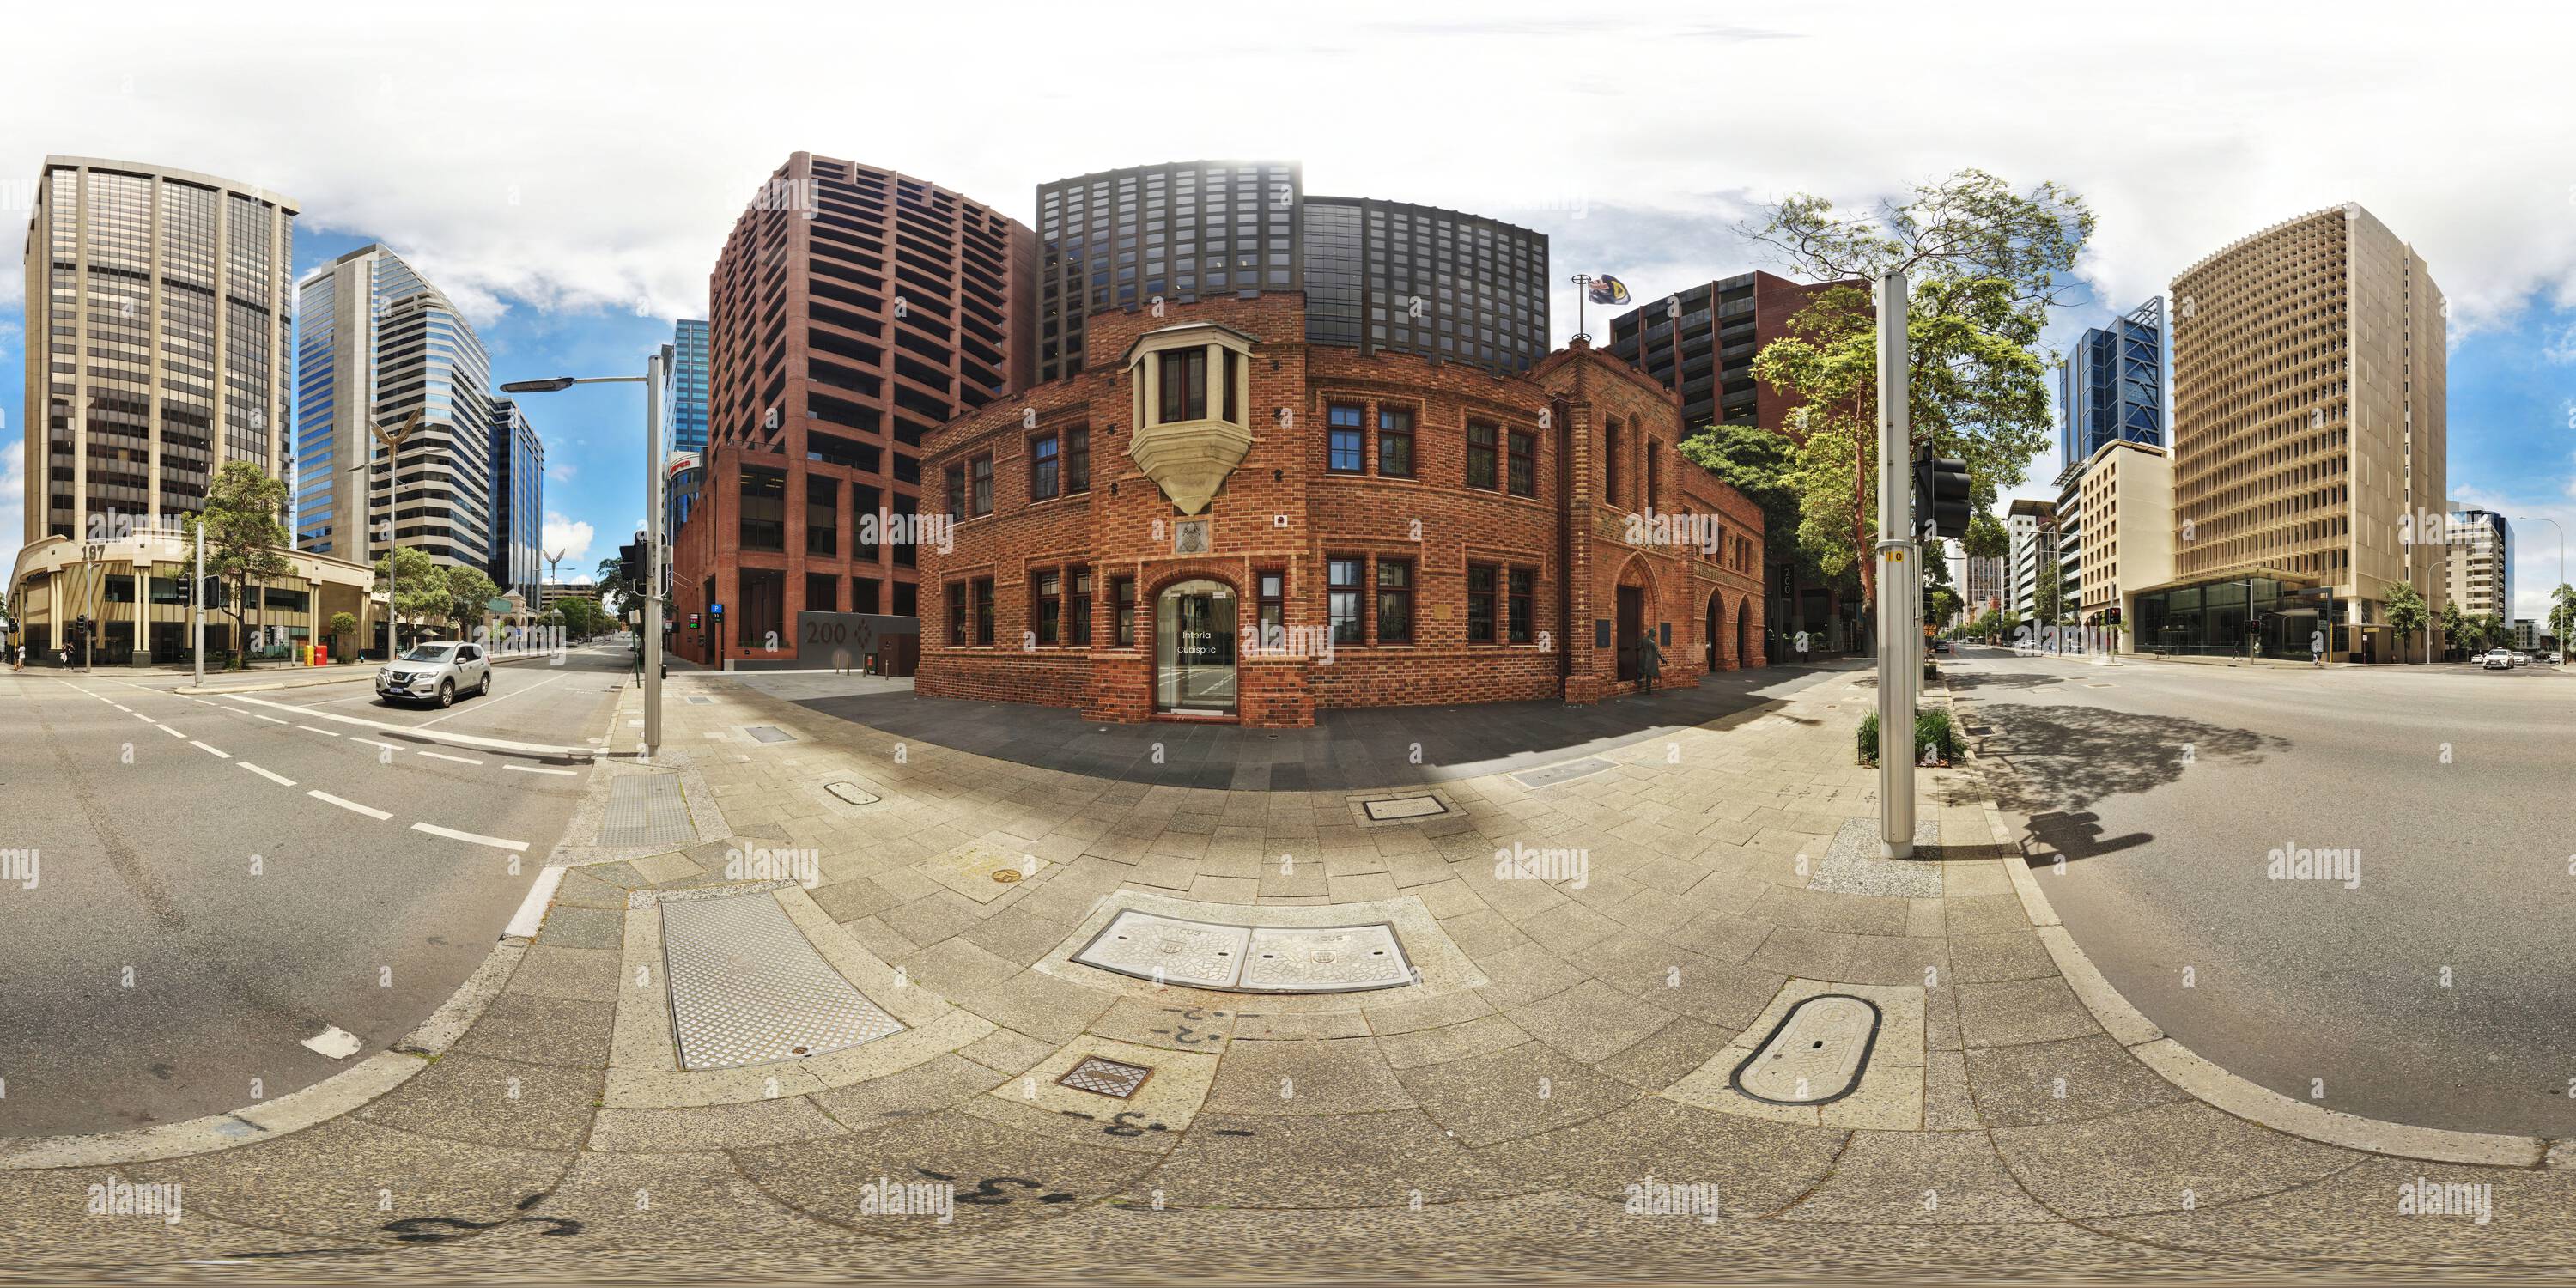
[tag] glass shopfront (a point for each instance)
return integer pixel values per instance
(2226, 618)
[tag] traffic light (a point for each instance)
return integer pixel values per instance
(1940, 495)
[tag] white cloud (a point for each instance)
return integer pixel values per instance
(2561, 348)
(561, 472)
(571, 536)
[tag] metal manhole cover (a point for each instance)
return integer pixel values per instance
(852, 792)
(1006, 876)
(646, 809)
(1814, 1055)
(1168, 950)
(699, 702)
(1551, 775)
(748, 988)
(1395, 807)
(1249, 959)
(1324, 959)
(768, 733)
(1106, 1077)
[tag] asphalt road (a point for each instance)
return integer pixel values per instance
(2438, 990)
(199, 912)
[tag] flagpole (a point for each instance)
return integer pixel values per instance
(1582, 294)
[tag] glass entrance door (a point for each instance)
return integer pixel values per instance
(1194, 648)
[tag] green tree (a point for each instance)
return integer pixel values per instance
(420, 591)
(612, 582)
(1763, 466)
(468, 591)
(246, 536)
(2048, 605)
(343, 625)
(1986, 264)
(1986, 537)
(2562, 613)
(2407, 614)
(2455, 626)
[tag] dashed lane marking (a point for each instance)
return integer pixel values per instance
(324, 732)
(531, 769)
(474, 838)
(168, 730)
(277, 778)
(351, 806)
(225, 755)
(440, 755)
(270, 719)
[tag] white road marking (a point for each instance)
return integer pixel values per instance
(452, 739)
(279, 779)
(370, 741)
(351, 806)
(129, 710)
(271, 719)
(201, 701)
(532, 910)
(140, 716)
(168, 730)
(440, 755)
(531, 769)
(324, 732)
(333, 1043)
(209, 750)
(476, 838)
(486, 703)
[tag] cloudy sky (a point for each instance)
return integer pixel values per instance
(567, 173)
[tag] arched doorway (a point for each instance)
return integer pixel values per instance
(1743, 620)
(1631, 624)
(1194, 648)
(1716, 621)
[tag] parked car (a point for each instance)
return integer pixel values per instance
(435, 671)
(1940, 646)
(2497, 660)
(2521, 658)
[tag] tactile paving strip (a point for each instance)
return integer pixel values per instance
(1106, 1077)
(748, 988)
(646, 809)
(1249, 959)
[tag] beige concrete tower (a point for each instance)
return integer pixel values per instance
(159, 304)
(2308, 417)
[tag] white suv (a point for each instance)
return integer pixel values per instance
(435, 671)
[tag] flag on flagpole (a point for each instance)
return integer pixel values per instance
(1606, 289)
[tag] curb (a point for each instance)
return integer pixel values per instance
(2214, 1086)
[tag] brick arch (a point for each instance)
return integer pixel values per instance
(1713, 632)
(1743, 628)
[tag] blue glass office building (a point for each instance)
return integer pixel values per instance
(518, 502)
(688, 388)
(2111, 386)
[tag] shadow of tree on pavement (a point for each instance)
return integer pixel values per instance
(2062, 760)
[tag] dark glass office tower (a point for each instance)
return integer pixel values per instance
(1378, 275)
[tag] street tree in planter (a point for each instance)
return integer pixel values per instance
(343, 626)
(246, 536)
(1985, 264)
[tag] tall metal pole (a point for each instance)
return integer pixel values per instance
(1899, 642)
(197, 615)
(654, 368)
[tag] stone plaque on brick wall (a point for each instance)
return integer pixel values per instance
(1192, 537)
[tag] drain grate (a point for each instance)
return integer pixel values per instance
(1551, 775)
(1249, 959)
(646, 809)
(1106, 1077)
(768, 733)
(699, 702)
(748, 988)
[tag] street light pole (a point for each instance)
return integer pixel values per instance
(2562, 580)
(654, 368)
(1899, 594)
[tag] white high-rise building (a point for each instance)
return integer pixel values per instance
(380, 342)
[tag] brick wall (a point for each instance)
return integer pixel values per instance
(1283, 510)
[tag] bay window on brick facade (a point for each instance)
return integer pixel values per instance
(1448, 535)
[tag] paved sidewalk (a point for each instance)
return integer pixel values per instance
(1565, 1051)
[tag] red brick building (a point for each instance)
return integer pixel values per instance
(853, 311)
(1219, 520)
